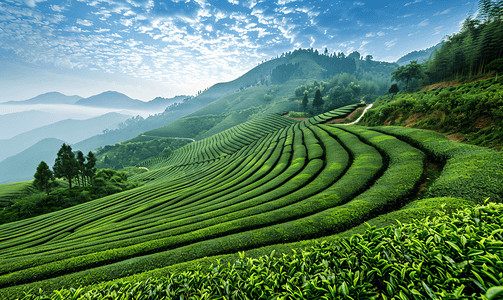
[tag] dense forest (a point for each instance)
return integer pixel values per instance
(474, 51)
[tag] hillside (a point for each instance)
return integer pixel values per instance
(266, 89)
(47, 98)
(15, 123)
(71, 131)
(109, 99)
(22, 166)
(265, 182)
(420, 55)
(470, 112)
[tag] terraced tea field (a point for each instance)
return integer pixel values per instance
(267, 181)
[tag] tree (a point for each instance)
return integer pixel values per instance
(81, 165)
(406, 73)
(89, 166)
(305, 101)
(44, 178)
(318, 100)
(369, 57)
(66, 165)
(393, 89)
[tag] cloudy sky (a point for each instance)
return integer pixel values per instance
(149, 48)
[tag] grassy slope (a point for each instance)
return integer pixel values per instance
(471, 112)
(240, 192)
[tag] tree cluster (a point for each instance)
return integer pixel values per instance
(68, 167)
(122, 155)
(471, 51)
(342, 89)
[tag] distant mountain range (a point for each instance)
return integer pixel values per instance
(420, 56)
(23, 165)
(71, 131)
(109, 99)
(47, 98)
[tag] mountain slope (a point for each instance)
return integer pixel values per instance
(23, 165)
(16, 123)
(265, 182)
(109, 99)
(48, 98)
(71, 131)
(421, 55)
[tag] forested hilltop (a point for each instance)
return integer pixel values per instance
(261, 193)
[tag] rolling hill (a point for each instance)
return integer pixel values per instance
(265, 182)
(71, 131)
(22, 166)
(47, 98)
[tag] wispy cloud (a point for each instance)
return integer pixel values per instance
(443, 12)
(370, 34)
(391, 43)
(437, 30)
(424, 23)
(84, 22)
(380, 33)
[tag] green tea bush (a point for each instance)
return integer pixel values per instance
(470, 172)
(437, 258)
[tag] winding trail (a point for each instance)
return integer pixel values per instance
(169, 137)
(357, 120)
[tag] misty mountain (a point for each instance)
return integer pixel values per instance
(23, 165)
(19, 122)
(69, 130)
(48, 98)
(420, 55)
(109, 99)
(159, 103)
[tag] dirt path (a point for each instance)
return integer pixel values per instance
(357, 120)
(168, 137)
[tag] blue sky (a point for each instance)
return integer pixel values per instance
(149, 48)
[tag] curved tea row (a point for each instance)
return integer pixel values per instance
(297, 182)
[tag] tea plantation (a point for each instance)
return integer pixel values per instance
(268, 184)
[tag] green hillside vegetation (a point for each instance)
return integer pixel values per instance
(10, 191)
(472, 111)
(415, 260)
(360, 78)
(261, 206)
(24, 201)
(263, 183)
(130, 153)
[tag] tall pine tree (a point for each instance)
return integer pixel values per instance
(44, 178)
(66, 166)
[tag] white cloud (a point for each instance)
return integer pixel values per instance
(437, 30)
(424, 23)
(370, 34)
(380, 33)
(358, 3)
(411, 34)
(283, 2)
(363, 44)
(391, 43)
(126, 22)
(102, 30)
(57, 8)
(84, 22)
(443, 13)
